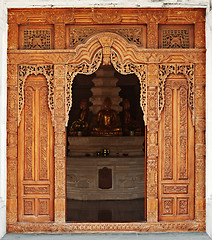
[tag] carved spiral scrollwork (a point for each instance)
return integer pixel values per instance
(23, 72)
(140, 70)
(72, 70)
(188, 71)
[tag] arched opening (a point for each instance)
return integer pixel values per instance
(106, 163)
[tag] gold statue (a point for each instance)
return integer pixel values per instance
(126, 112)
(107, 120)
(83, 110)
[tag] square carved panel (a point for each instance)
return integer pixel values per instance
(36, 37)
(167, 206)
(176, 36)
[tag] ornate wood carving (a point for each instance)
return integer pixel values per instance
(176, 36)
(72, 70)
(168, 119)
(140, 70)
(23, 72)
(185, 226)
(188, 71)
(178, 189)
(131, 57)
(177, 152)
(35, 154)
(135, 35)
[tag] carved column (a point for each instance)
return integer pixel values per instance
(60, 143)
(13, 36)
(12, 154)
(59, 36)
(200, 142)
(152, 146)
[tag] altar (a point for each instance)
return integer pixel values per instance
(118, 175)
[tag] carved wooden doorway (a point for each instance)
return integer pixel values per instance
(159, 46)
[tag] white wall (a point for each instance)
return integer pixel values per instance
(209, 123)
(3, 103)
(103, 3)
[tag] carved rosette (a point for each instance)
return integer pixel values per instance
(140, 70)
(188, 71)
(23, 73)
(72, 70)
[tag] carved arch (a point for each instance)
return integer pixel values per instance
(106, 48)
(23, 72)
(188, 71)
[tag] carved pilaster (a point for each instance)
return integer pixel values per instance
(12, 152)
(60, 183)
(152, 71)
(200, 150)
(152, 155)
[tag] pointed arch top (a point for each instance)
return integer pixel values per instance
(188, 71)
(106, 48)
(24, 71)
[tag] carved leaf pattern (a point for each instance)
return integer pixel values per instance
(183, 133)
(140, 70)
(23, 72)
(168, 172)
(132, 35)
(72, 70)
(44, 134)
(28, 174)
(188, 71)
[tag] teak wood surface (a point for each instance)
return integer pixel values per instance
(47, 48)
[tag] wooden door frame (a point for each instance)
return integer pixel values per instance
(151, 65)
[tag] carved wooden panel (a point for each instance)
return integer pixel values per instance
(36, 37)
(35, 154)
(133, 34)
(176, 144)
(176, 36)
(172, 187)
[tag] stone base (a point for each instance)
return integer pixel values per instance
(128, 178)
(119, 176)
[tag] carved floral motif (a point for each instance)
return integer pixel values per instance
(72, 70)
(140, 70)
(168, 116)
(23, 72)
(183, 133)
(134, 35)
(188, 71)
